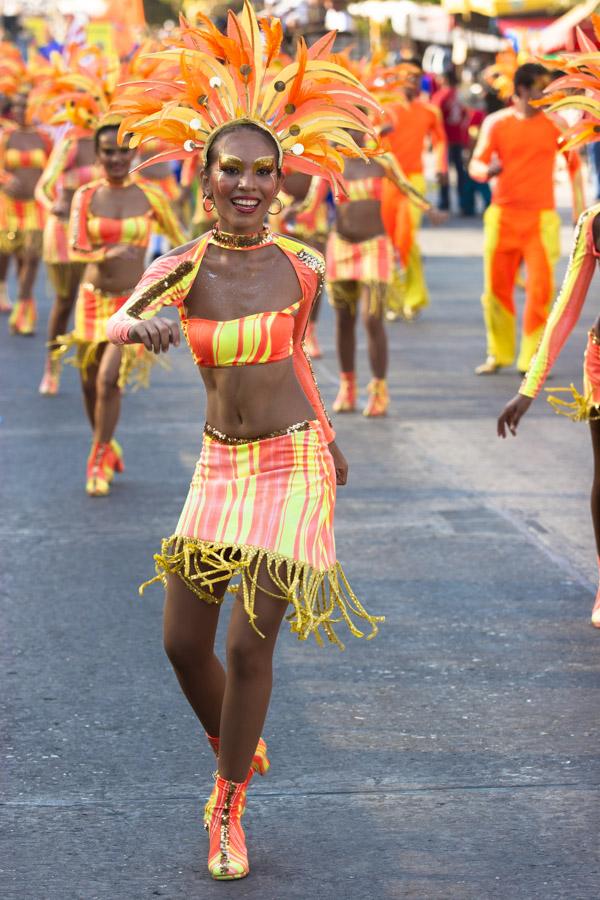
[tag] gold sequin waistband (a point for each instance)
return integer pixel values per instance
(217, 435)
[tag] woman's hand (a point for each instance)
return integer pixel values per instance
(11, 186)
(596, 328)
(340, 463)
(155, 334)
(512, 414)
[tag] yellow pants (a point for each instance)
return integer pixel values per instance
(513, 236)
(402, 220)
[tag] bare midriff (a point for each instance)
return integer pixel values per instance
(359, 220)
(251, 401)
(117, 276)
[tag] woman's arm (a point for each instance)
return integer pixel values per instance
(46, 190)
(568, 305)
(80, 244)
(310, 268)
(165, 282)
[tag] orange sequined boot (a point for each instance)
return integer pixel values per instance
(596, 609)
(23, 317)
(260, 764)
(51, 378)
(311, 341)
(5, 304)
(379, 400)
(227, 854)
(119, 465)
(102, 463)
(346, 398)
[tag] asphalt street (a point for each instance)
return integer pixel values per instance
(455, 756)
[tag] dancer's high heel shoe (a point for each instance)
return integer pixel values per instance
(23, 317)
(104, 460)
(260, 765)
(50, 382)
(379, 400)
(227, 853)
(346, 398)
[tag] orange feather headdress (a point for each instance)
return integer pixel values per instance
(208, 81)
(79, 89)
(383, 82)
(578, 89)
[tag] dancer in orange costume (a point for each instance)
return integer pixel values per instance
(24, 151)
(582, 70)
(109, 230)
(261, 502)
(518, 146)
(409, 125)
(11, 73)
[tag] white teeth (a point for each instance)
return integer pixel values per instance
(249, 203)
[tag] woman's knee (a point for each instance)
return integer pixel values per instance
(106, 384)
(372, 323)
(248, 655)
(183, 649)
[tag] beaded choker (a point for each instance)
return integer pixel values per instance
(241, 241)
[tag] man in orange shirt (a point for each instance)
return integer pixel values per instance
(409, 124)
(518, 146)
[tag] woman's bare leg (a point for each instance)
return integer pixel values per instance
(27, 266)
(89, 377)
(345, 335)
(190, 626)
(372, 309)
(108, 395)
(249, 681)
(65, 278)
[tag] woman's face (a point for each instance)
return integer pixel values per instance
(114, 159)
(242, 179)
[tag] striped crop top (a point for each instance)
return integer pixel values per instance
(363, 189)
(104, 231)
(24, 159)
(260, 338)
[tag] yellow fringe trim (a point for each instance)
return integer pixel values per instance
(579, 409)
(320, 599)
(136, 364)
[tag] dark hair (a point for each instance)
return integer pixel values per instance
(411, 61)
(451, 77)
(527, 74)
(102, 130)
(239, 126)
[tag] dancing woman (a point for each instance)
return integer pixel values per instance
(109, 230)
(568, 305)
(262, 497)
(24, 151)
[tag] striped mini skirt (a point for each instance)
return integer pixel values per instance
(81, 347)
(266, 504)
(368, 262)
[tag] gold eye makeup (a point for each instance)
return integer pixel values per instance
(229, 162)
(264, 162)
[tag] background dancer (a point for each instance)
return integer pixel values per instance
(261, 501)
(109, 230)
(409, 124)
(518, 147)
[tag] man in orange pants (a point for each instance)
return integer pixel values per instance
(518, 147)
(409, 124)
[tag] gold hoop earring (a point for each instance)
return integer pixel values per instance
(204, 207)
(275, 212)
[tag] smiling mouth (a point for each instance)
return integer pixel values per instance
(245, 204)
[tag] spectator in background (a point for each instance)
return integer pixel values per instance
(475, 116)
(455, 117)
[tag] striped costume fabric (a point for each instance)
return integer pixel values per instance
(368, 262)
(93, 309)
(55, 249)
(268, 502)
(251, 340)
(21, 225)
